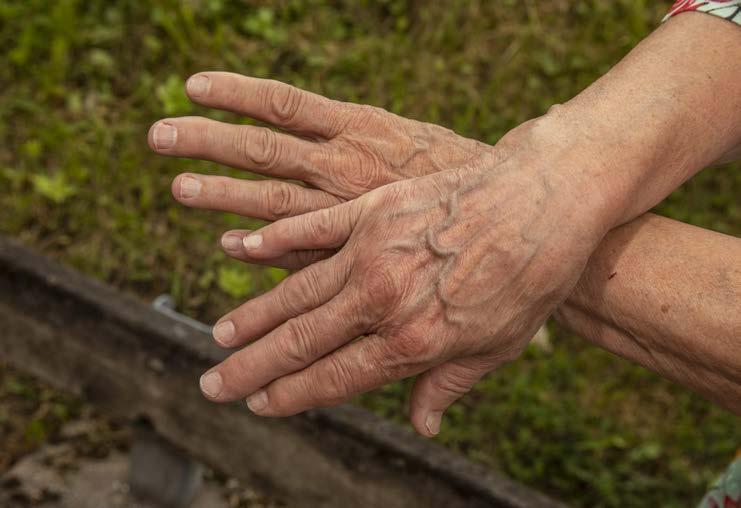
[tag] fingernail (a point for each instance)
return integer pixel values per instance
(232, 243)
(224, 332)
(257, 401)
(252, 241)
(189, 187)
(211, 384)
(197, 85)
(165, 136)
(432, 422)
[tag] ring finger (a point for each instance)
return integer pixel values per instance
(260, 199)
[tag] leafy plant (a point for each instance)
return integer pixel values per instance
(172, 96)
(55, 188)
(82, 81)
(263, 24)
(235, 281)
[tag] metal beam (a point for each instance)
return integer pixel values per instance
(131, 361)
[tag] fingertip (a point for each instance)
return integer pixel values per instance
(231, 241)
(150, 136)
(198, 85)
(258, 402)
(186, 186)
(175, 186)
(212, 384)
(224, 333)
(162, 135)
(432, 422)
(425, 421)
(256, 246)
(252, 242)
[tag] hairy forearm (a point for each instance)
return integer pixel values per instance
(673, 103)
(666, 295)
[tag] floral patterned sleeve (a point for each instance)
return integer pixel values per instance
(728, 9)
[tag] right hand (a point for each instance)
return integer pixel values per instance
(447, 275)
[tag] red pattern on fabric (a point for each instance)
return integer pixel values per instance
(730, 503)
(721, 8)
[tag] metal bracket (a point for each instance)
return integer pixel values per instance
(165, 304)
(159, 471)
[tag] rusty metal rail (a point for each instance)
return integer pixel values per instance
(134, 362)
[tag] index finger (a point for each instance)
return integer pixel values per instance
(280, 104)
(292, 346)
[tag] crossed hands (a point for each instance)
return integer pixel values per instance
(443, 254)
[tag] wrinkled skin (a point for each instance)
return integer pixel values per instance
(440, 276)
(449, 271)
(449, 274)
(341, 150)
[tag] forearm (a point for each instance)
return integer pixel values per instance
(666, 295)
(673, 103)
(732, 155)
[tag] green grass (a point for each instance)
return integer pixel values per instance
(82, 81)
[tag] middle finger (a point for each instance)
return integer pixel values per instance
(291, 347)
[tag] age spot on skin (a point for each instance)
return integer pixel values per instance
(664, 308)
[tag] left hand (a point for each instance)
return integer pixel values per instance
(449, 275)
(341, 150)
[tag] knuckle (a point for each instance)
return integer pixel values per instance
(334, 384)
(266, 149)
(284, 102)
(362, 170)
(259, 147)
(452, 384)
(337, 117)
(320, 159)
(365, 114)
(320, 167)
(280, 199)
(367, 177)
(412, 346)
(298, 349)
(320, 226)
(299, 291)
(290, 295)
(380, 285)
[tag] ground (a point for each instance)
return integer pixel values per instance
(82, 81)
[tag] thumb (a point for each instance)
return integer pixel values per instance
(435, 390)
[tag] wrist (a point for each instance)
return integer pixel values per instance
(574, 167)
(666, 111)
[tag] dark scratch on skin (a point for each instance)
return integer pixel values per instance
(612, 275)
